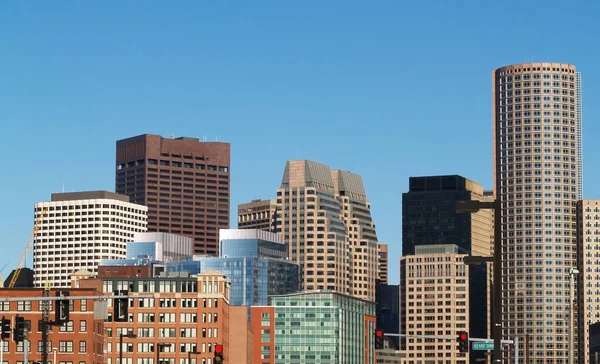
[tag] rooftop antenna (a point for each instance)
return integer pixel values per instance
(63, 187)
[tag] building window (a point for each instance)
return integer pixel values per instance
(68, 327)
(82, 326)
(24, 306)
(82, 348)
(4, 306)
(83, 305)
(65, 347)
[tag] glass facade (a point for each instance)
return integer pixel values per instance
(153, 250)
(323, 328)
(252, 248)
(252, 279)
(257, 269)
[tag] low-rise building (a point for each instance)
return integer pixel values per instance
(186, 315)
(241, 336)
(78, 341)
(314, 327)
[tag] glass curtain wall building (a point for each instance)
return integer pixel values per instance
(315, 327)
(256, 263)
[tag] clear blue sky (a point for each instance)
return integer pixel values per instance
(386, 89)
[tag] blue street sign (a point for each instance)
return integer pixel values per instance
(483, 345)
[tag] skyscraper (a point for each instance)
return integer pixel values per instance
(429, 215)
(431, 273)
(79, 230)
(184, 182)
(538, 179)
(325, 219)
(588, 234)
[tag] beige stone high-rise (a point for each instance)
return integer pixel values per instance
(382, 251)
(258, 214)
(538, 179)
(588, 231)
(434, 301)
(325, 219)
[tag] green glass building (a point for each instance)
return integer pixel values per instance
(323, 327)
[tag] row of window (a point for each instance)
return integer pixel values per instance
(27, 306)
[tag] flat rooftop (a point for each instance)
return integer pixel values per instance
(89, 195)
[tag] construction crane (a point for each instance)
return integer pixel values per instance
(4, 266)
(36, 227)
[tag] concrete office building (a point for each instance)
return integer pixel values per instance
(538, 179)
(429, 217)
(314, 328)
(360, 232)
(435, 301)
(382, 254)
(588, 280)
(258, 214)
(79, 230)
(80, 340)
(188, 313)
(255, 262)
(184, 182)
(163, 247)
(325, 220)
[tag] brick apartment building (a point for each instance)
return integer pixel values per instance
(79, 341)
(187, 313)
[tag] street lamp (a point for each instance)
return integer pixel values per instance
(159, 347)
(471, 207)
(572, 273)
(190, 355)
(130, 335)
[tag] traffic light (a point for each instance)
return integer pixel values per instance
(62, 309)
(19, 329)
(218, 354)
(5, 328)
(121, 307)
(463, 342)
(379, 337)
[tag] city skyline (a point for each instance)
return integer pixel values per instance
(249, 91)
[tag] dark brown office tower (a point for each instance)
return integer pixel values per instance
(184, 182)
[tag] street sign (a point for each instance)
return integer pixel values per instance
(483, 345)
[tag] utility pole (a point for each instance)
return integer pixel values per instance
(45, 323)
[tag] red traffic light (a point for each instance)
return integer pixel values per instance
(379, 333)
(219, 349)
(463, 336)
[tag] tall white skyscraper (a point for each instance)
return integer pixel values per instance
(79, 230)
(538, 179)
